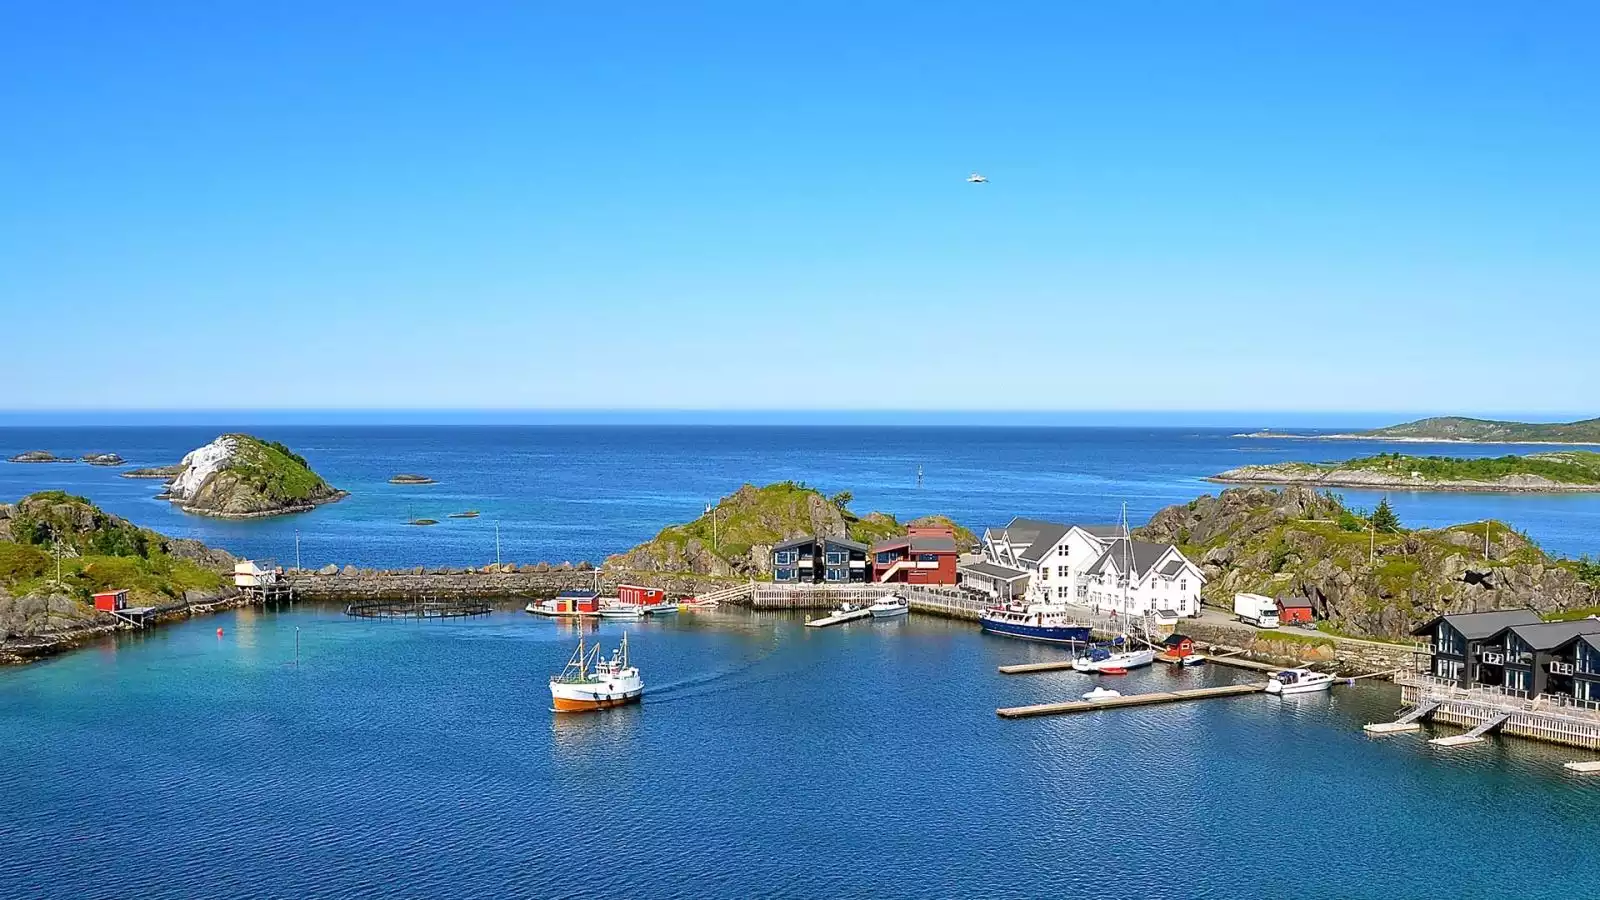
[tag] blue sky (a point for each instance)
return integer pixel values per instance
(1239, 206)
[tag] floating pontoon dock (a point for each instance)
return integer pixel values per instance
(840, 617)
(1077, 706)
(1059, 665)
(1590, 767)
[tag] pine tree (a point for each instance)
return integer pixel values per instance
(1384, 519)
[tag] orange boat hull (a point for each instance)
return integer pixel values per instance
(563, 704)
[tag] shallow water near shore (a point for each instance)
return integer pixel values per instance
(405, 759)
(569, 493)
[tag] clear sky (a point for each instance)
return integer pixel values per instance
(1192, 206)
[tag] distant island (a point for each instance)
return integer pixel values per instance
(39, 456)
(1564, 471)
(103, 459)
(1461, 429)
(240, 476)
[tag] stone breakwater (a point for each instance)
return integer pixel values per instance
(489, 583)
(1342, 655)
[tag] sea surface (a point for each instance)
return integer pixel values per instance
(299, 753)
(768, 760)
(570, 493)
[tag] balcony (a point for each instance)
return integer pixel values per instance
(1557, 667)
(1492, 658)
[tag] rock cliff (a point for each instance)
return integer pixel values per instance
(238, 476)
(1297, 542)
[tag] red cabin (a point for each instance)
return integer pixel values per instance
(1294, 611)
(577, 601)
(111, 601)
(1177, 646)
(641, 596)
(926, 555)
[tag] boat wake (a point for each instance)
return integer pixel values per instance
(699, 685)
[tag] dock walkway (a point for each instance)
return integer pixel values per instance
(1077, 706)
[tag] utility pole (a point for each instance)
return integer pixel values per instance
(712, 511)
(55, 550)
(1487, 524)
(1372, 540)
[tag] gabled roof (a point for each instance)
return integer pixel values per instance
(1173, 567)
(846, 542)
(1478, 625)
(1550, 635)
(932, 543)
(1174, 639)
(794, 542)
(1592, 640)
(1141, 554)
(1102, 531)
(994, 570)
(1295, 602)
(578, 593)
(1039, 536)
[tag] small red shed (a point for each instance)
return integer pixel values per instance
(1294, 611)
(1177, 646)
(111, 601)
(641, 596)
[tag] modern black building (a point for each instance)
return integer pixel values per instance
(825, 560)
(1517, 651)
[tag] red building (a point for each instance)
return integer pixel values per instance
(1294, 611)
(926, 555)
(111, 601)
(641, 596)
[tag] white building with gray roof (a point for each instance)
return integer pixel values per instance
(1040, 562)
(1138, 578)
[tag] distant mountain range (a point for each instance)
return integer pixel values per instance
(1461, 428)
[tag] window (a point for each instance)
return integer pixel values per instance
(1183, 584)
(783, 575)
(835, 557)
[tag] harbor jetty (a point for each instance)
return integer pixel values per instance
(1151, 699)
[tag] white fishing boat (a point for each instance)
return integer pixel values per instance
(1298, 681)
(590, 682)
(1101, 693)
(889, 607)
(621, 611)
(661, 609)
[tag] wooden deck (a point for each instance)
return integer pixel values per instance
(1025, 668)
(1077, 706)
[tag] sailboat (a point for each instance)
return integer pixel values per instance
(1122, 654)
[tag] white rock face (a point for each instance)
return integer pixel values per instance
(201, 464)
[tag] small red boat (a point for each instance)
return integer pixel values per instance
(1114, 670)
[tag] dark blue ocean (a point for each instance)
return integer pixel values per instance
(563, 493)
(404, 760)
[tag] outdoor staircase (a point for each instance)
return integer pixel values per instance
(1474, 736)
(728, 594)
(1418, 713)
(899, 565)
(1408, 720)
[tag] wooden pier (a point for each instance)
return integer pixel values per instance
(839, 618)
(1077, 706)
(1028, 668)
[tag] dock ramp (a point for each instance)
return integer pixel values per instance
(1408, 720)
(1474, 736)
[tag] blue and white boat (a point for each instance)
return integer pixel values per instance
(1034, 622)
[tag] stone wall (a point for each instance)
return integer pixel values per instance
(488, 583)
(1349, 657)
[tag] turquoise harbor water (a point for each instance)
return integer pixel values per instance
(769, 760)
(414, 760)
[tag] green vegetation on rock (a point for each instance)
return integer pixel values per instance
(1294, 542)
(1562, 470)
(95, 551)
(736, 537)
(242, 476)
(1461, 428)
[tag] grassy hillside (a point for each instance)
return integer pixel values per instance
(97, 551)
(1459, 428)
(276, 472)
(733, 539)
(1296, 542)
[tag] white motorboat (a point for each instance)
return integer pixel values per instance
(847, 612)
(621, 611)
(1298, 681)
(1101, 693)
(889, 607)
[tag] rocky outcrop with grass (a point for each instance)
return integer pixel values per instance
(1364, 579)
(748, 522)
(239, 476)
(1564, 471)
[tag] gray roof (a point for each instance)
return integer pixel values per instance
(933, 543)
(1550, 635)
(1142, 554)
(1295, 602)
(994, 570)
(1037, 535)
(846, 542)
(1592, 640)
(1478, 625)
(794, 542)
(1103, 531)
(1172, 568)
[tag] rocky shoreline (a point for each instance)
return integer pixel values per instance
(1401, 439)
(304, 506)
(21, 649)
(1287, 474)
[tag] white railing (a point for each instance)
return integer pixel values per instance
(1506, 699)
